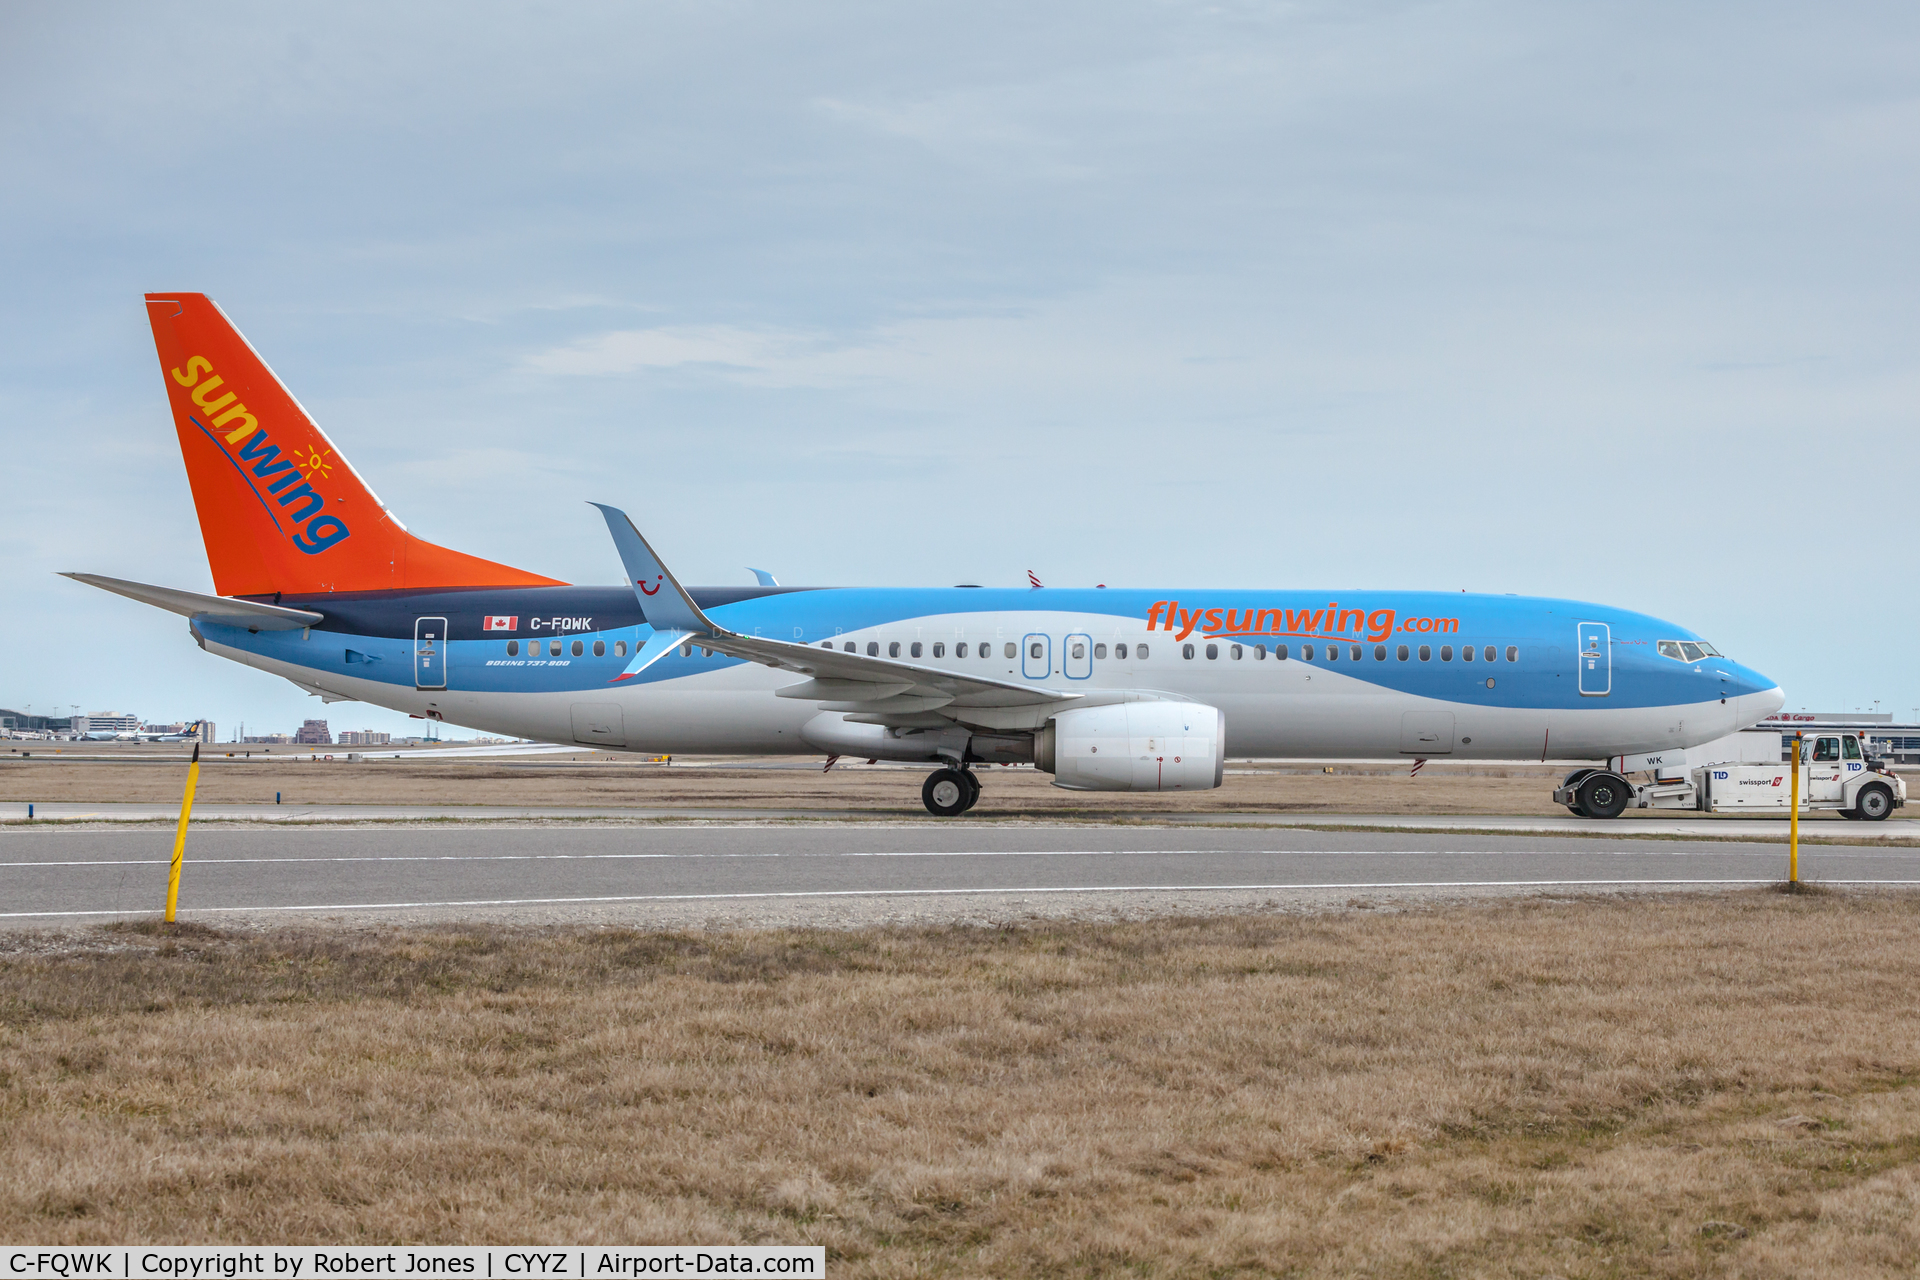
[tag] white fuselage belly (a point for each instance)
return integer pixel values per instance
(1299, 711)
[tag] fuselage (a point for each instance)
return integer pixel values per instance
(1296, 673)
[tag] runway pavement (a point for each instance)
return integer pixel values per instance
(822, 873)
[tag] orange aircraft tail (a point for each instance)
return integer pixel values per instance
(281, 510)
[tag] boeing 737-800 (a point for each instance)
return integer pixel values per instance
(1106, 689)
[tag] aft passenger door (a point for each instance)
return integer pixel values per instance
(429, 653)
(1596, 660)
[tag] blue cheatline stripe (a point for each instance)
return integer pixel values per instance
(243, 474)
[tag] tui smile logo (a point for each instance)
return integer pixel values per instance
(653, 590)
(289, 480)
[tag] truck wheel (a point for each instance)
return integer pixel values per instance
(945, 793)
(1851, 815)
(1603, 796)
(1874, 803)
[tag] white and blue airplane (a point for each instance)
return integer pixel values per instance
(1106, 689)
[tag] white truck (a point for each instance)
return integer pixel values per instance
(1836, 773)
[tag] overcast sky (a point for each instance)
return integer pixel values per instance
(1611, 301)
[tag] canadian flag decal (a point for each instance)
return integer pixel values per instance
(496, 622)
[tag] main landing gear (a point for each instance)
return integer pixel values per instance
(948, 793)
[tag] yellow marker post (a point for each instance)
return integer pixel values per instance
(1792, 820)
(180, 834)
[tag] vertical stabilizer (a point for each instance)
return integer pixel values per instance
(280, 509)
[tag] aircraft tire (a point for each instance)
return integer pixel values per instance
(973, 787)
(945, 793)
(1603, 796)
(1874, 803)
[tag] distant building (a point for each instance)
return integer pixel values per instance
(206, 733)
(314, 733)
(269, 739)
(109, 722)
(363, 738)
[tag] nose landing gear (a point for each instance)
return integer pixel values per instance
(948, 793)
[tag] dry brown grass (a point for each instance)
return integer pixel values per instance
(1684, 1086)
(622, 781)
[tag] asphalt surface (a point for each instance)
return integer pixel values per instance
(1721, 826)
(839, 873)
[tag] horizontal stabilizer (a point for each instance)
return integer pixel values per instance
(192, 604)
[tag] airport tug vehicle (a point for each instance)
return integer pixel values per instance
(1836, 773)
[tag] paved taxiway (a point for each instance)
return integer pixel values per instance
(48, 876)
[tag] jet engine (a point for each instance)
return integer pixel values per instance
(1135, 746)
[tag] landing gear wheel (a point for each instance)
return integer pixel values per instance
(946, 793)
(973, 787)
(1873, 804)
(1603, 796)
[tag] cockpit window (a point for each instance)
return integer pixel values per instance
(1687, 650)
(1693, 651)
(1671, 649)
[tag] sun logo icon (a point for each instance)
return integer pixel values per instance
(313, 462)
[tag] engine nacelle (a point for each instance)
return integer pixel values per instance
(1135, 746)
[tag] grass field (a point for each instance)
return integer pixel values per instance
(1685, 1086)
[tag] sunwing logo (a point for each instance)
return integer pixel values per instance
(289, 480)
(1332, 622)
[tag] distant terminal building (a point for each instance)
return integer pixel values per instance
(268, 739)
(314, 733)
(364, 738)
(1899, 743)
(107, 722)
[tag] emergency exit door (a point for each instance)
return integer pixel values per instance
(1596, 660)
(429, 653)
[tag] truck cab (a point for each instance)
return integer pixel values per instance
(1836, 773)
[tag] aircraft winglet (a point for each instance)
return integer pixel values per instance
(665, 602)
(764, 578)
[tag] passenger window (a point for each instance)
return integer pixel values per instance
(847, 647)
(1826, 749)
(940, 649)
(1213, 652)
(1354, 651)
(915, 651)
(1333, 653)
(1851, 747)
(1446, 653)
(826, 644)
(599, 648)
(1035, 649)
(1513, 653)
(1280, 652)
(1186, 651)
(893, 649)
(1379, 653)
(553, 648)
(619, 648)
(513, 648)
(1120, 651)
(1079, 651)
(1487, 653)
(960, 650)
(1306, 653)
(1259, 653)
(1139, 652)
(1234, 652)
(686, 651)
(1099, 651)
(1401, 653)
(1692, 651)
(873, 648)
(578, 648)
(1426, 653)
(1013, 649)
(1466, 653)
(705, 653)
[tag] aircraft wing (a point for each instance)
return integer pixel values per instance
(192, 604)
(886, 688)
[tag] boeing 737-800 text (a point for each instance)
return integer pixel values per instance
(1106, 689)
